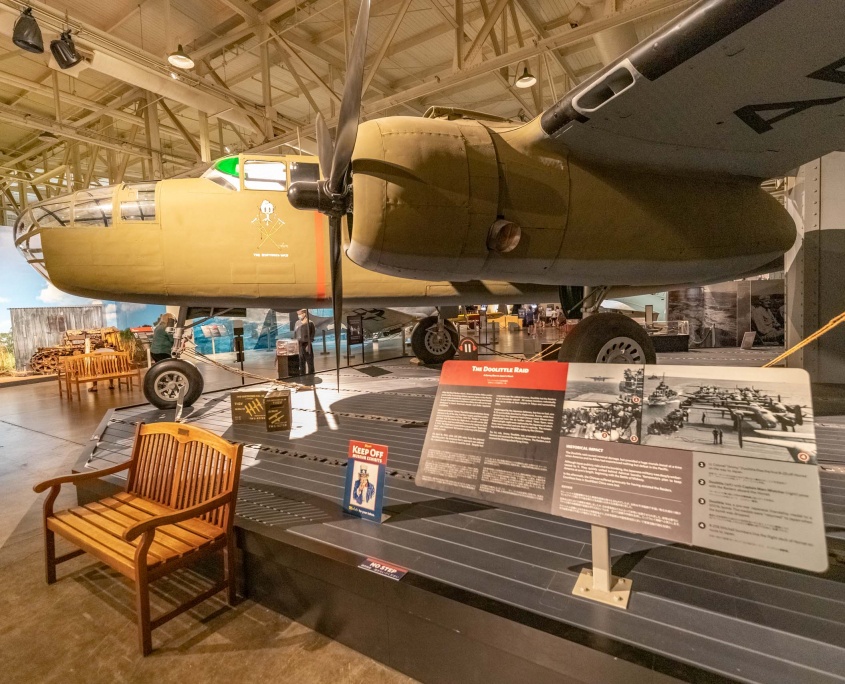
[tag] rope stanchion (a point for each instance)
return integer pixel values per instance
(831, 324)
(199, 356)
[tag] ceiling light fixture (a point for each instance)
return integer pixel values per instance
(64, 51)
(526, 80)
(181, 59)
(27, 34)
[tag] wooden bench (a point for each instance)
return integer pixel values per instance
(178, 507)
(84, 368)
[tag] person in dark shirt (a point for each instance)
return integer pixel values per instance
(162, 342)
(304, 331)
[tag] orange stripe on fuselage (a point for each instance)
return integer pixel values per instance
(320, 249)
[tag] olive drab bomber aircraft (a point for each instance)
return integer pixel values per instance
(645, 177)
(225, 241)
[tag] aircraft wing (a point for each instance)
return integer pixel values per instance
(741, 87)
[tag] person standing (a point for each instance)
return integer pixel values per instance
(721, 434)
(715, 436)
(304, 331)
(161, 345)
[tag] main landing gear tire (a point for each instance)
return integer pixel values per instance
(607, 338)
(431, 345)
(164, 380)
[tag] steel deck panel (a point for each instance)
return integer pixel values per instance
(739, 618)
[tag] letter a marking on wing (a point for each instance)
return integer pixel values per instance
(750, 114)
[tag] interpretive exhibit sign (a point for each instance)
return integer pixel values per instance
(278, 411)
(722, 458)
(248, 407)
(354, 330)
(365, 470)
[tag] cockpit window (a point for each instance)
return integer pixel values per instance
(138, 202)
(303, 171)
(265, 175)
(93, 207)
(224, 172)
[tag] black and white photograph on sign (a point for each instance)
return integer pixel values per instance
(756, 413)
(364, 485)
(603, 402)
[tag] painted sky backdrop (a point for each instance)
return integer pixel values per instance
(21, 286)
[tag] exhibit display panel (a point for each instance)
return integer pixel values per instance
(723, 458)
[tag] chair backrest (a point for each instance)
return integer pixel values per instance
(180, 466)
(91, 365)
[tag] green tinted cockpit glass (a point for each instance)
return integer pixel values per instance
(228, 165)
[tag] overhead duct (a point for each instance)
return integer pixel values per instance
(170, 88)
(612, 42)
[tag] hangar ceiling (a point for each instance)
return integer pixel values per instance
(264, 68)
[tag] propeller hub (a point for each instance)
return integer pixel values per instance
(316, 196)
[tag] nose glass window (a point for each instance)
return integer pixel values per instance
(139, 203)
(93, 208)
(265, 175)
(52, 214)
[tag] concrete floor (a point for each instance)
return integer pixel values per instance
(82, 629)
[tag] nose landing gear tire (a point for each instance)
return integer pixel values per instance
(607, 338)
(164, 380)
(431, 345)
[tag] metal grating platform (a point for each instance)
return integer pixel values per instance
(716, 614)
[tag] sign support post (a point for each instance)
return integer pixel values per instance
(598, 583)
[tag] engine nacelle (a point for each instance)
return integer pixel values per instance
(425, 196)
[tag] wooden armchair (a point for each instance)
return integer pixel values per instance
(178, 507)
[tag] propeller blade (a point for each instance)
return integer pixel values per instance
(324, 146)
(335, 246)
(350, 105)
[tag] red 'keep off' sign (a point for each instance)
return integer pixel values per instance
(368, 453)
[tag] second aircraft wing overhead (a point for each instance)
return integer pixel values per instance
(739, 87)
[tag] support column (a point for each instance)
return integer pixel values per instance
(153, 136)
(815, 279)
(205, 138)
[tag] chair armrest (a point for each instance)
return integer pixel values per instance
(79, 477)
(138, 529)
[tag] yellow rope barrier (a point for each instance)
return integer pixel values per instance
(198, 356)
(831, 324)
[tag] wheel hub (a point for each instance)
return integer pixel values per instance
(621, 350)
(169, 384)
(437, 342)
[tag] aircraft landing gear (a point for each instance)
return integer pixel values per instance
(607, 338)
(166, 379)
(434, 340)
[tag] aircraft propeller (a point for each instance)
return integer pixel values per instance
(331, 195)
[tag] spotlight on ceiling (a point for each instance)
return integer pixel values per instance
(526, 80)
(27, 33)
(181, 59)
(64, 51)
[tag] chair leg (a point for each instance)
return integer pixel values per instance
(142, 602)
(229, 569)
(50, 555)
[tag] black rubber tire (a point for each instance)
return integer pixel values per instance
(590, 336)
(174, 366)
(418, 342)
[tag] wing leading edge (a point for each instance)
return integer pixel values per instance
(740, 87)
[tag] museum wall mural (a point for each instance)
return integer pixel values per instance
(22, 287)
(719, 315)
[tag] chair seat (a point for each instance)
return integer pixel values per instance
(98, 528)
